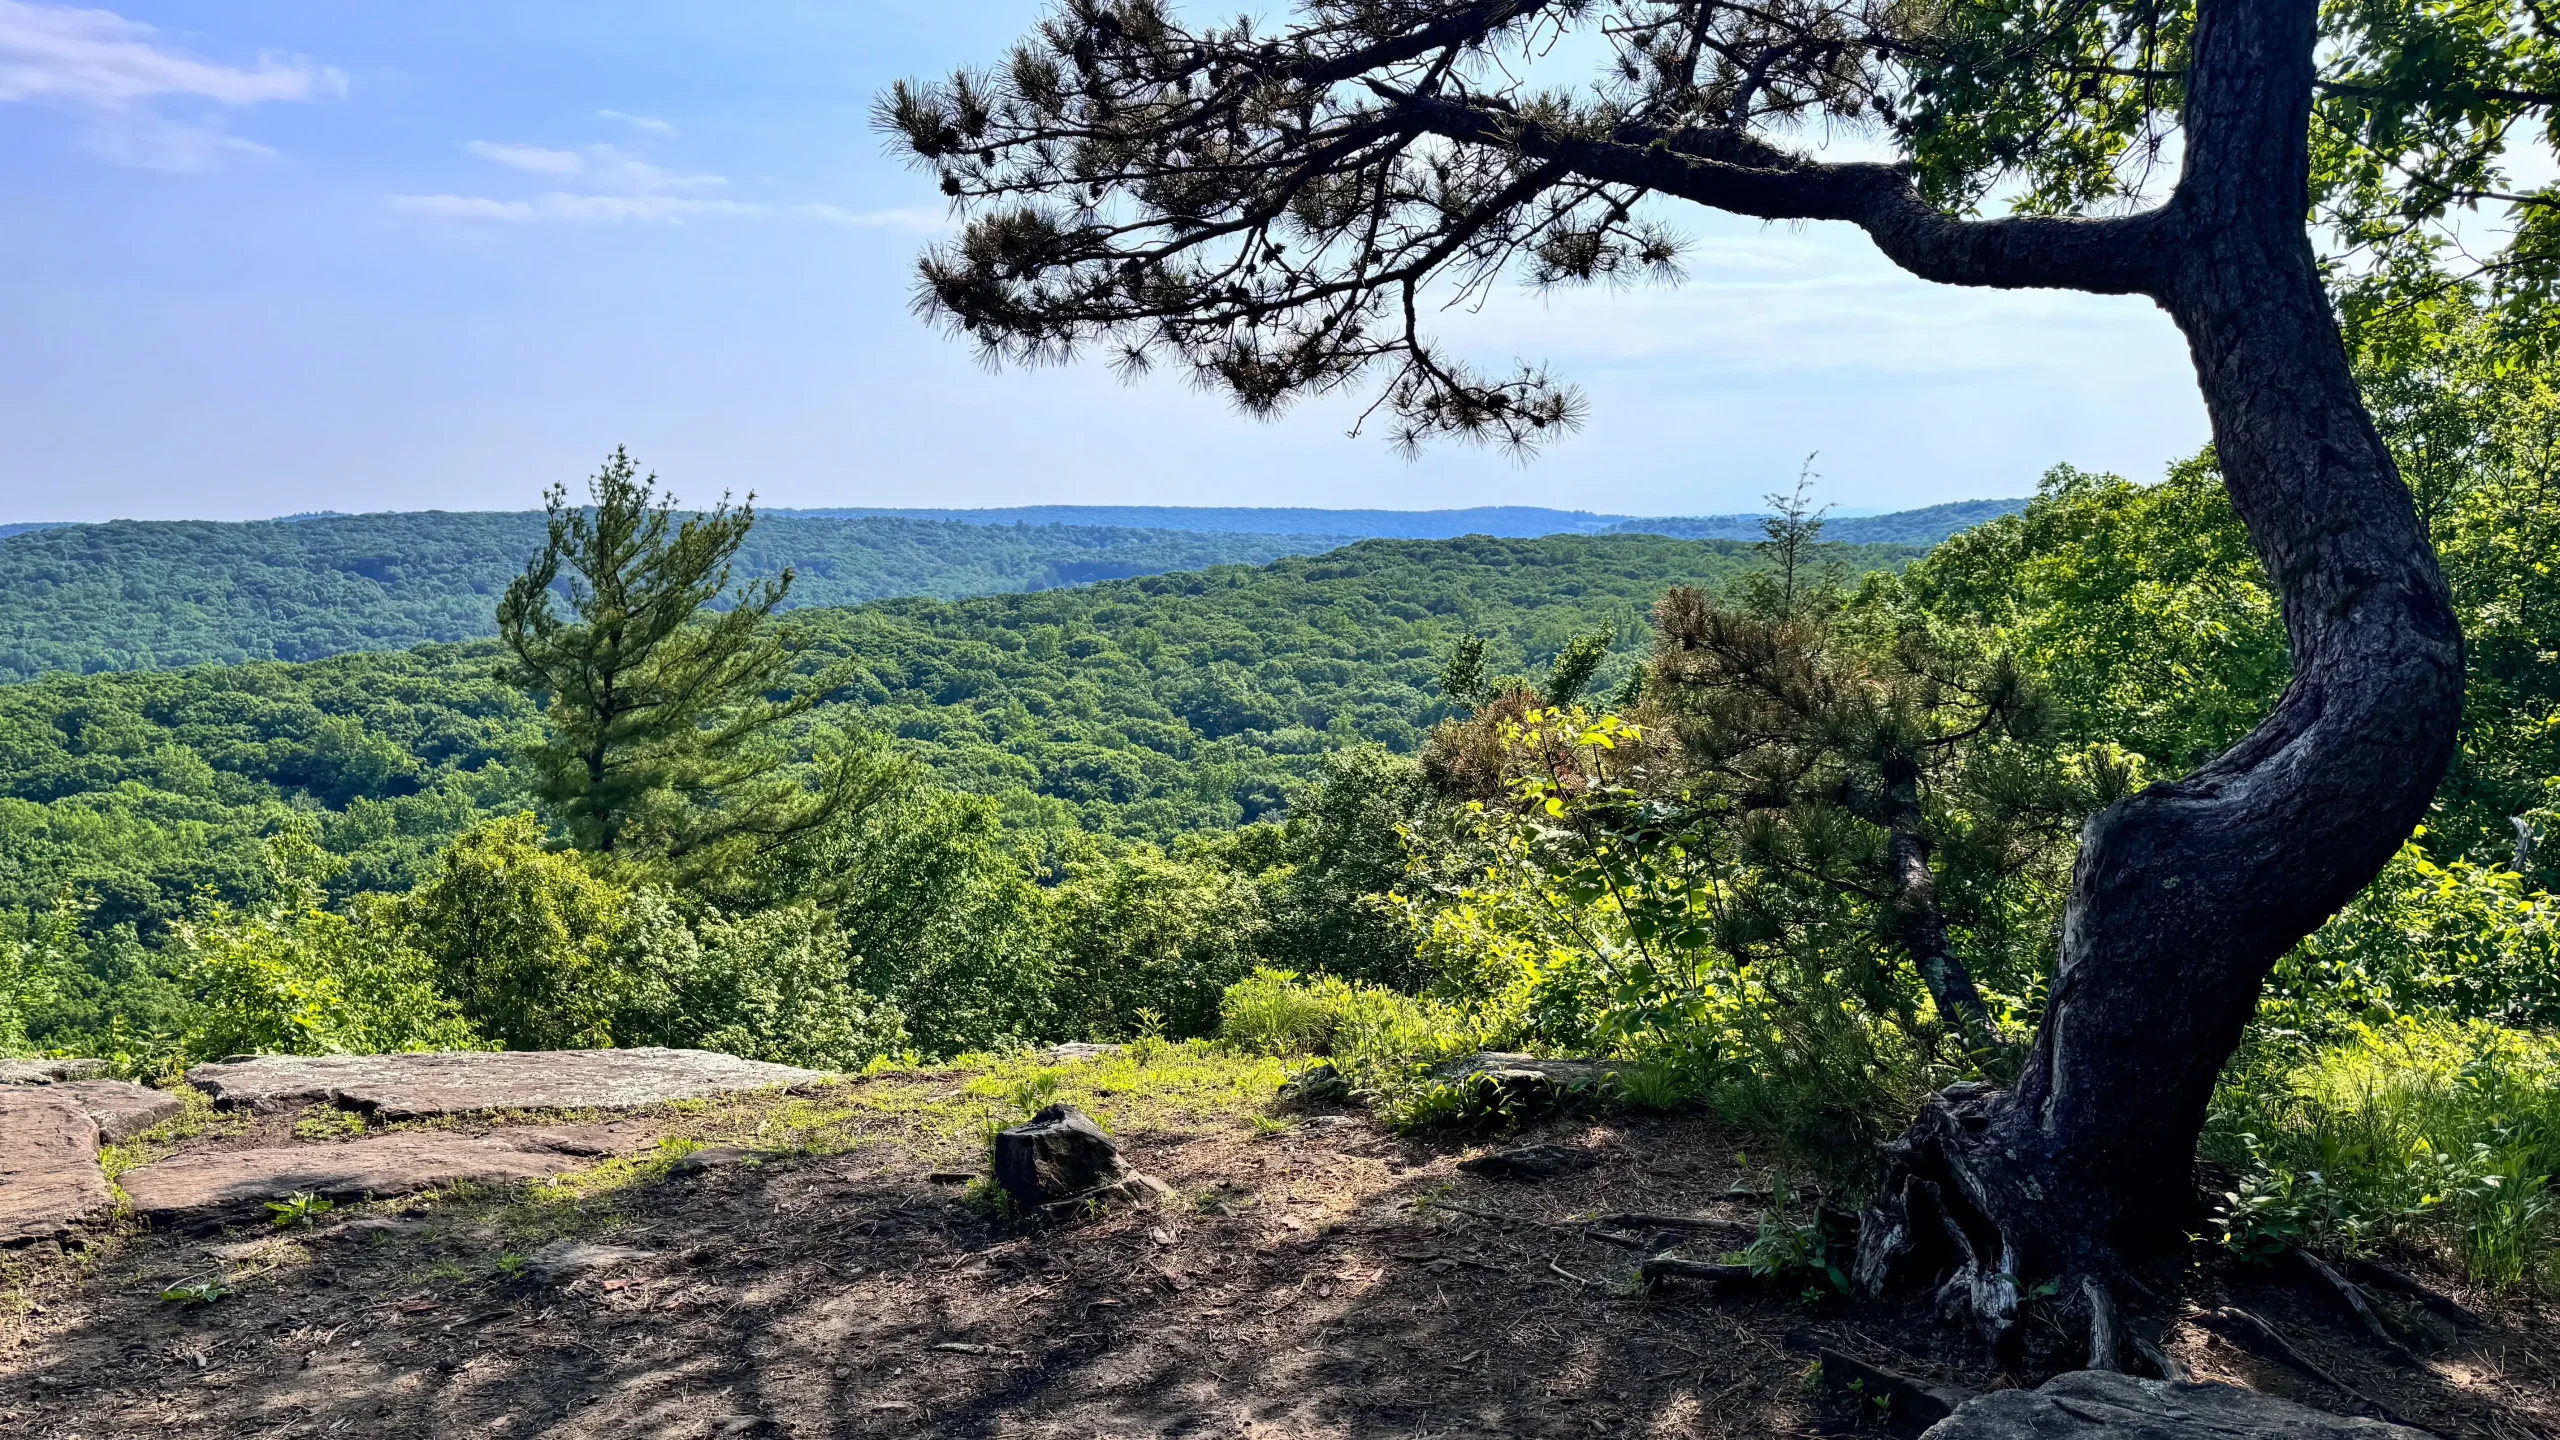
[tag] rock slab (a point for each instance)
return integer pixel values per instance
(49, 1176)
(208, 1188)
(461, 1082)
(121, 1111)
(1059, 1155)
(46, 1072)
(2096, 1405)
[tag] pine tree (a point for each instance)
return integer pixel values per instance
(665, 737)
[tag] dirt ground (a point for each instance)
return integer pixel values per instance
(824, 1273)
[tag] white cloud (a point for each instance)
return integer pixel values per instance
(639, 122)
(528, 157)
(652, 210)
(459, 207)
(148, 142)
(108, 70)
(559, 205)
(617, 185)
(606, 167)
(616, 169)
(645, 208)
(97, 57)
(913, 221)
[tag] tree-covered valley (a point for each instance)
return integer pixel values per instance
(161, 594)
(2032, 955)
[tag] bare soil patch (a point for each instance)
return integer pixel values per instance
(806, 1274)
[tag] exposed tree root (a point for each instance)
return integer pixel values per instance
(2383, 1277)
(2252, 1333)
(2106, 1345)
(2352, 1296)
(1672, 1267)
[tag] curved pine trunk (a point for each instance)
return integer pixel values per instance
(2187, 893)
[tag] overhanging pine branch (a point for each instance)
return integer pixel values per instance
(1735, 172)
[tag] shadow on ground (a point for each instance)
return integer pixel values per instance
(1297, 1289)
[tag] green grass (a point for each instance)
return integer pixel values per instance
(2438, 1137)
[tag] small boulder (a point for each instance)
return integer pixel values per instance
(204, 1189)
(49, 1175)
(462, 1082)
(1059, 1155)
(2100, 1405)
(1081, 1050)
(1321, 1084)
(1529, 1162)
(1525, 1084)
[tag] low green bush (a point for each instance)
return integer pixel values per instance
(2433, 1135)
(2425, 938)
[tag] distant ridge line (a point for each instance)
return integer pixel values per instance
(1924, 526)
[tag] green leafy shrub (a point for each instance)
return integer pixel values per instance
(1384, 1043)
(35, 961)
(2456, 938)
(769, 985)
(311, 982)
(2435, 1134)
(1139, 930)
(1578, 916)
(521, 936)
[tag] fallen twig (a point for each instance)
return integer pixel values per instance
(1668, 1267)
(1623, 1242)
(1639, 1220)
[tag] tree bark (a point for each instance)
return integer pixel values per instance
(1918, 922)
(2187, 893)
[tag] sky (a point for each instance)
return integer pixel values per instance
(271, 256)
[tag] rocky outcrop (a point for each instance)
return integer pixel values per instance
(208, 1188)
(47, 1072)
(411, 1087)
(1060, 1155)
(2098, 1405)
(49, 1176)
(121, 1111)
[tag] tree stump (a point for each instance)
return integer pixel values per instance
(1059, 1155)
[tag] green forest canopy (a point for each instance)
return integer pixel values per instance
(141, 595)
(153, 594)
(1147, 708)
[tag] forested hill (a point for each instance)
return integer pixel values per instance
(153, 594)
(1148, 707)
(1904, 527)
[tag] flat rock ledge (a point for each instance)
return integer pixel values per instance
(2095, 1405)
(46, 1072)
(49, 1176)
(461, 1082)
(121, 1111)
(202, 1190)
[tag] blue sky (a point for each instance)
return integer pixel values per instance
(266, 256)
